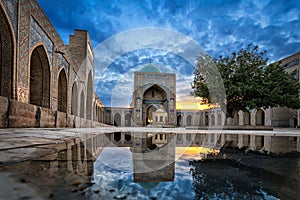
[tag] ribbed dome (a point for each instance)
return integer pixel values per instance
(150, 68)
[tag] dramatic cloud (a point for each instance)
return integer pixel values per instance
(219, 27)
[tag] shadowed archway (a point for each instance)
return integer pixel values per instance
(39, 78)
(62, 91)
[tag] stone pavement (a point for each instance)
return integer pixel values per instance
(18, 145)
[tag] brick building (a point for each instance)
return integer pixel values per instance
(44, 82)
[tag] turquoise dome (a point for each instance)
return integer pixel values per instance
(150, 68)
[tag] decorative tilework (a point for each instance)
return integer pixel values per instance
(11, 7)
(38, 35)
(63, 62)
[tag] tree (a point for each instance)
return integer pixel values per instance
(250, 82)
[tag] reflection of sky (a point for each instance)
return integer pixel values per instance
(113, 169)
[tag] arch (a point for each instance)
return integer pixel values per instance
(219, 119)
(212, 118)
(206, 119)
(117, 119)
(246, 118)
(62, 92)
(74, 102)
(117, 137)
(260, 117)
(149, 111)
(39, 77)
(189, 120)
(236, 118)
(6, 56)
(128, 120)
(179, 120)
(82, 100)
(89, 98)
(154, 98)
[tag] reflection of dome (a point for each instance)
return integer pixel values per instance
(149, 185)
(150, 68)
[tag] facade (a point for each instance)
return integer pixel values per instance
(154, 97)
(43, 82)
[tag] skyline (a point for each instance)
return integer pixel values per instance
(219, 27)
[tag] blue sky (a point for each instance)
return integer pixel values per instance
(219, 27)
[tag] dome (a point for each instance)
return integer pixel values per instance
(150, 68)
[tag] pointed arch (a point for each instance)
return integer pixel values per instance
(117, 119)
(39, 77)
(89, 98)
(62, 91)
(6, 56)
(74, 103)
(82, 101)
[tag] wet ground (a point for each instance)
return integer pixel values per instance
(239, 176)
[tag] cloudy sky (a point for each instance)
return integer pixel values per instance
(217, 27)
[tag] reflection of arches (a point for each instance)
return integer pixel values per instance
(39, 77)
(128, 120)
(179, 120)
(117, 137)
(260, 117)
(74, 109)
(117, 119)
(82, 104)
(89, 98)
(62, 91)
(247, 118)
(6, 57)
(189, 120)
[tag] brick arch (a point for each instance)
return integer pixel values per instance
(82, 101)
(89, 97)
(74, 103)
(6, 56)
(39, 77)
(62, 91)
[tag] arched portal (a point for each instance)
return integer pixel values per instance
(89, 99)
(39, 78)
(74, 108)
(179, 120)
(149, 115)
(6, 57)
(62, 91)
(117, 119)
(82, 104)
(128, 120)
(154, 96)
(260, 117)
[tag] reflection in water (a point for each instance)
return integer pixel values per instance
(158, 166)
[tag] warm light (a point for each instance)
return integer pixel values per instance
(192, 103)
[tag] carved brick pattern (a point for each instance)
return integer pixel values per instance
(6, 62)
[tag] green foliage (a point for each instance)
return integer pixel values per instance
(250, 82)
